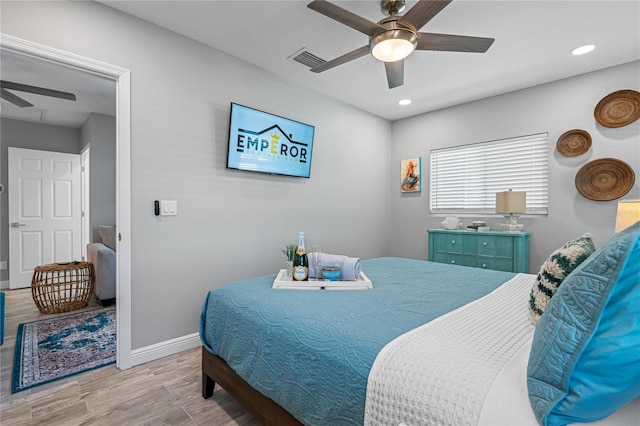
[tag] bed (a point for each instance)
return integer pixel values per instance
(429, 344)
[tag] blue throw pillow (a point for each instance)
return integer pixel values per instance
(585, 357)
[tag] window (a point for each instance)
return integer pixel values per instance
(465, 179)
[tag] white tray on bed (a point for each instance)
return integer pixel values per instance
(362, 283)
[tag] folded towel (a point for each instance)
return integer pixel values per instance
(349, 266)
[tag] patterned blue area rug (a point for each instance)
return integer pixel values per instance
(59, 347)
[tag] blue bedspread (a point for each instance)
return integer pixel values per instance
(311, 351)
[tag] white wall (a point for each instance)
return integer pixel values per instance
(554, 108)
(231, 224)
(27, 135)
(100, 131)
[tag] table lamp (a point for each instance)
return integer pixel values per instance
(628, 214)
(511, 204)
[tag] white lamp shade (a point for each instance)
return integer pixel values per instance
(628, 214)
(511, 202)
(392, 50)
(393, 45)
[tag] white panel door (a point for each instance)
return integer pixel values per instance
(44, 211)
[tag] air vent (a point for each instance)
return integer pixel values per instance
(305, 57)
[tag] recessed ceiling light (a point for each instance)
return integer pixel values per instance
(404, 102)
(583, 49)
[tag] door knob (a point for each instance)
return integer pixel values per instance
(17, 225)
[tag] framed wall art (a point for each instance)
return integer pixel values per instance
(411, 175)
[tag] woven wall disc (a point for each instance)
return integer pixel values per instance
(605, 179)
(573, 143)
(618, 109)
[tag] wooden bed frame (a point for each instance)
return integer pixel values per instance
(216, 370)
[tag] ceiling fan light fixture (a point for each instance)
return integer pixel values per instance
(395, 37)
(393, 45)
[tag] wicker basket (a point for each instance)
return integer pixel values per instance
(62, 287)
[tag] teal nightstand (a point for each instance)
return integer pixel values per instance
(501, 251)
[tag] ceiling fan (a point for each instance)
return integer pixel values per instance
(5, 86)
(393, 38)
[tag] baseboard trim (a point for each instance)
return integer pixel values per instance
(163, 349)
(4, 285)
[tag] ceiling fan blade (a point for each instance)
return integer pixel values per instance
(37, 90)
(395, 73)
(345, 17)
(422, 12)
(453, 43)
(16, 100)
(354, 54)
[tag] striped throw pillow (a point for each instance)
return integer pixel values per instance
(554, 270)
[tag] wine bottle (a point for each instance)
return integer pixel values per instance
(301, 262)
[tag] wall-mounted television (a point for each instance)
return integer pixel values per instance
(267, 143)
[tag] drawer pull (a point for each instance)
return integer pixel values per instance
(484, 265)
(453, 241)
(453, 261)
(484, 244)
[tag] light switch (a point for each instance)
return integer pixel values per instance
(168, 207)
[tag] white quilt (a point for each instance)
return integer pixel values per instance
(468, 367)
(441, 372)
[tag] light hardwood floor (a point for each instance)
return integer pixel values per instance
(162, 392)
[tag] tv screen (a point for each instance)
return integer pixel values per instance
(267, 143)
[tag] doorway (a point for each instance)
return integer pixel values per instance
(122, 79)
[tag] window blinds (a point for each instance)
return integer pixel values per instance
(465, 179)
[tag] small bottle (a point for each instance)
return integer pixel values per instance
(301, 262)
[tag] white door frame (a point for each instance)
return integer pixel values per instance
(122, 78)
(85, 199)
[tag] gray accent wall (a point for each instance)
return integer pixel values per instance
(27, 135)
(100, 132)
(554, 108)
